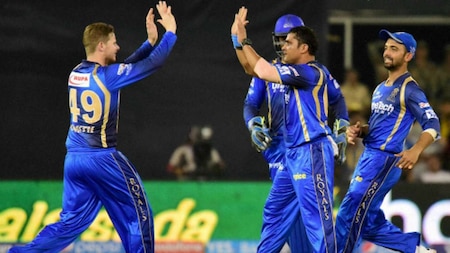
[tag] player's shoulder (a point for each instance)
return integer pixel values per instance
(411, 85)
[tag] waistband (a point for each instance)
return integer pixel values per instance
(91, 150)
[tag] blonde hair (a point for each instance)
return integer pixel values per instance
(94, 34)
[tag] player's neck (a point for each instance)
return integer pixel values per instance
(393, 75)
(305, 59)
(97, 58)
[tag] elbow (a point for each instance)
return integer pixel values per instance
(249, 70)
(266, 71)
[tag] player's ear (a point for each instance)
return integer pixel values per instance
(409, 56)
(101, 46)
(304, 47)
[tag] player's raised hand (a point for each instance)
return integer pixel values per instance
(242, 16)
(241, 21)
(167, 19)
(152, 31)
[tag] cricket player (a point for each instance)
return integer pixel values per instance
(273, 151)
(396, 103)
(95, 173)
(304, 186)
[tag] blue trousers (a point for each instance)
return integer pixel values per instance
(274, 155)
(92, 180)
(303, 189)
(360, 217)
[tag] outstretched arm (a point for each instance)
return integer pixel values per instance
(241, 16)
(261, 68)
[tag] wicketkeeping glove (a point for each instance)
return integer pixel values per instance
(259, 133)
(340, 137)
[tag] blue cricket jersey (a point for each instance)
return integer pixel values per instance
(94, 94)
(394, 109)
(311, 89)
(259, 92)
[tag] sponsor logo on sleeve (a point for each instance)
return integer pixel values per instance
(424, 105)
(124, 68)
(431, 114)
(284, 70)
(336, 84)
(294, 71)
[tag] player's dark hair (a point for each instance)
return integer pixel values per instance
(95, 33)
(306, 35)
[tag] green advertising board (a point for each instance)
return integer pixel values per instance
(218, 215)
(184, 211)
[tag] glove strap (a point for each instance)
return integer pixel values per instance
(256, 121)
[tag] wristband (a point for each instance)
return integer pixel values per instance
(361, 131)
(235, 41)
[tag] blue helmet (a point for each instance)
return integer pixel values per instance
(282, 28)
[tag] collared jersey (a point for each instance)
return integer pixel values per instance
(394, 109)
(94, 94)
(310, 90)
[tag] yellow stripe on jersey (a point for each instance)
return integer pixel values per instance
(316, 97)
(301, 116)
(402, 113)
(317, 102)
(106, 105)
(269, 104)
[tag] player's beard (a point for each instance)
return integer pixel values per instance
(392, 65)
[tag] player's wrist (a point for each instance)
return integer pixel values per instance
(235, 41)
(246, 42)
(257, 121)
(363, 131)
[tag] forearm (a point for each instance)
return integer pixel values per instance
(244, 62)
(163, 49)
(251, 56)
(423, 142)
(261, 68)
(142, 52)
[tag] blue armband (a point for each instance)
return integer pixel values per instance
(235, 41)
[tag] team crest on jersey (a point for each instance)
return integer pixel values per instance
(79, 79)
(393, 94)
